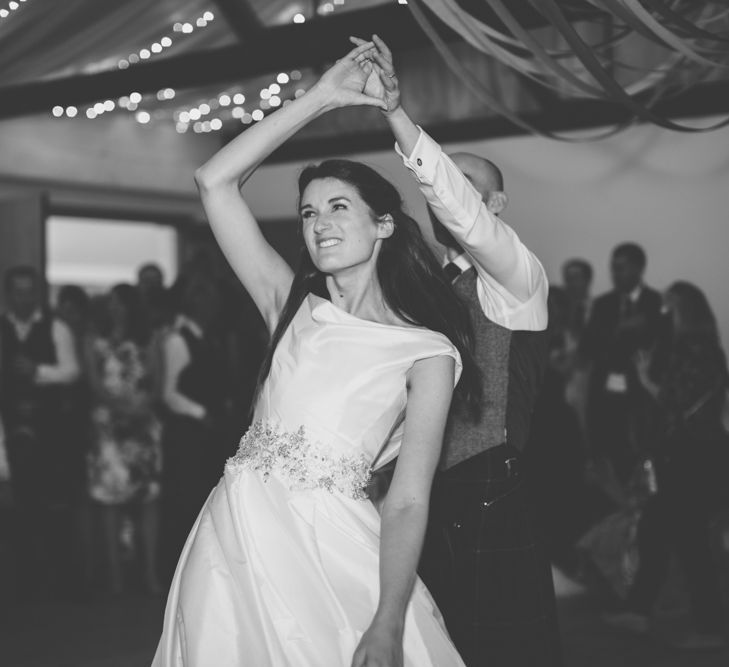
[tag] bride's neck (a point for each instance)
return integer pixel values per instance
(358, 294)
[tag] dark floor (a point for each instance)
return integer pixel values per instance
(123, 631)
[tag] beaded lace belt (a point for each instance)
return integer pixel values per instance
(306, 464)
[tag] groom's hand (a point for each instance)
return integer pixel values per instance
(381, 78)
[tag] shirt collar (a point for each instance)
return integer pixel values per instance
(36, 317)
(635, 294)
(462, 262)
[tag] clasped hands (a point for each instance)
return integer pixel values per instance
(365, 76)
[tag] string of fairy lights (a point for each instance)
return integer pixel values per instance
(11, 7)
(206, 115)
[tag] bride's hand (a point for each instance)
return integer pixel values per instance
(343, 84)
(379, 647)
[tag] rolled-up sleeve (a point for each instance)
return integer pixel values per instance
(505, 266)
(66, 369)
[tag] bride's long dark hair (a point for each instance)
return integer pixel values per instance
(412, 282)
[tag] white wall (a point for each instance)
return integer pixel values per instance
(96, 254)
(109, 163)
(665, 190)
(112, 150)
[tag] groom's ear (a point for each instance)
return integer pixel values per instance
(386, 226)
(496, 201)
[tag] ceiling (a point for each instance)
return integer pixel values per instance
(45, 40)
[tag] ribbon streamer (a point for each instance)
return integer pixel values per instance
(692, 36)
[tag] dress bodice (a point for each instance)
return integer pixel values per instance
(344, 379)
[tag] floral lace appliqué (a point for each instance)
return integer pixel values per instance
(307, 464)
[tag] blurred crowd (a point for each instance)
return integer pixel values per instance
(118, 412)
(120, 409)
(629, 450)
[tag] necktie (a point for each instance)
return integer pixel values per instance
(452, 271)
(626, 307)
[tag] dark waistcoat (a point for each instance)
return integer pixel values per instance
(512, 365)
(22, 399)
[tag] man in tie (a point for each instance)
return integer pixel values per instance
(623, 321)
(483, 559)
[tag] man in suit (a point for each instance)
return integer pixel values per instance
(623, 321)
(483, 559)
(39, 367)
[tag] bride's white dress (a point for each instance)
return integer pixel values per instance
(281, 567)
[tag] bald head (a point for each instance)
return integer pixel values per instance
(488, 180)
(485, 176)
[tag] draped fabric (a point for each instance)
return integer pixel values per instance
(601, 56)
(44, 40)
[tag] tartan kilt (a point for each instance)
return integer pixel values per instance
(485, 565)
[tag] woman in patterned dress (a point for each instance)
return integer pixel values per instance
(124, 462)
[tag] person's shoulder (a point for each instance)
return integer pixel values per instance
(604, 301)
(606, 297)
(652, 296)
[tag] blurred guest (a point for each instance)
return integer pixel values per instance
(691, 461)
(194, 393)
(150, 279)
(157, 304)
(622, 321)
(74, 307)
(553, 457)
(577, 280)
(159, 312)
(39, 365)
(124, 464)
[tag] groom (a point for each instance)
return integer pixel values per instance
(483, 559)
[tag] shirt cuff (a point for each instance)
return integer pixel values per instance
(197, 411)
(424, 158)
(46, 374)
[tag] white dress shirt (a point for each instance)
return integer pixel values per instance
(176, 357)
(490, 245)
(66, 369)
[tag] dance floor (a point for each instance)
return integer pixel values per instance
(122, 632)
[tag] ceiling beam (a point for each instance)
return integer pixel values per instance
(241, 17)
(311, 44)
(281, 48)
(704, 100)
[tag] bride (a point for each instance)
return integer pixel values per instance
(288, 562)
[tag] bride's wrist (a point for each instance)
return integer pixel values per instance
(393, 624)
(322, 98)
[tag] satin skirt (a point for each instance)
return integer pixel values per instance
(281, 578)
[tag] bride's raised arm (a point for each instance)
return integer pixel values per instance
(263, 272)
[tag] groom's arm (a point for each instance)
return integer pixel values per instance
(512, 285)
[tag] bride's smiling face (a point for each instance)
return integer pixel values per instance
(339, 228)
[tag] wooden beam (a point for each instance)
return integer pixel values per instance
(708, 99)
(241, 18)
